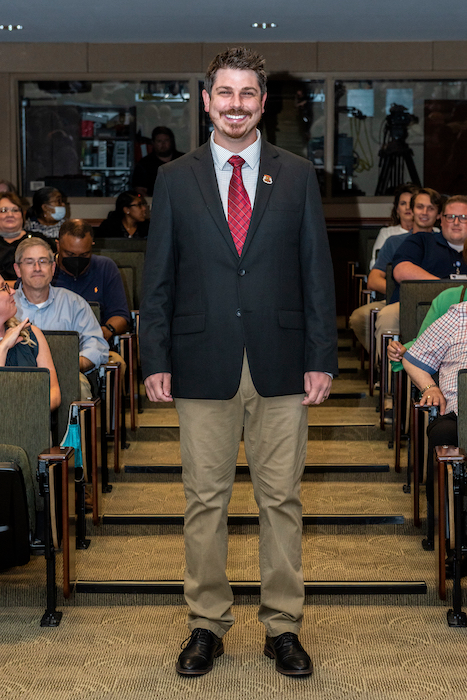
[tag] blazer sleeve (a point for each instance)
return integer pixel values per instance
(157, 302)
(318, 285)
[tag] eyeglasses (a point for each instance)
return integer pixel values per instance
(138, 204)
(14, 210)
(5, 287)
(452, 217)
(42, 262)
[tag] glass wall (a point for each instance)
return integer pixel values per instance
(85, 137)
(393, 131)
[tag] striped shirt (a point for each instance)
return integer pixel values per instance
(443, 347)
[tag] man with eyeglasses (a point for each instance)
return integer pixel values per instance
(56, 309)
(432, 256)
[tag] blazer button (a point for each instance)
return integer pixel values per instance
(242, 272)
(238, 313)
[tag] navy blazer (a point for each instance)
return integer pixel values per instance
(203, 304)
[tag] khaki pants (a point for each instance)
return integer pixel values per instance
(387, 321)
(275, 434)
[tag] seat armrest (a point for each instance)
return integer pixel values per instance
(449, 453)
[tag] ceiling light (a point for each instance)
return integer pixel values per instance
(10, 27)
(264, 25)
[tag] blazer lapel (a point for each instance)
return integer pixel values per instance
(269, 167)
(203, 169)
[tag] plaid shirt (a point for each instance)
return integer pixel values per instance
(443, 347)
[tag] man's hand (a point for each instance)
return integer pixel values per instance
(317, 388)
(396, 350)
(158, 387)
(434, 397)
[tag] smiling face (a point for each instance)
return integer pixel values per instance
(12, 220)
(425, 213)
(235, 107)
(454, 231)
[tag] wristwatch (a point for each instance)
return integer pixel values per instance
(111, 328)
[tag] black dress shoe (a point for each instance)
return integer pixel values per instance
(197, 657)
(291, 658)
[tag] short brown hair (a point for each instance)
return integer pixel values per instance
(240, 59)
(13, 198)
(455, 199)
(29, 243)
(435, 198)
(79, 228)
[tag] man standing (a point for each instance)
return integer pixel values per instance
(237, 323)
(164, 150)
(54, 309)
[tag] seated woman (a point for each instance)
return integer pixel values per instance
(47, 212)
(23, 345)
(11, 232)
(129, 220)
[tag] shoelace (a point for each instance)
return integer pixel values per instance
(197, 635)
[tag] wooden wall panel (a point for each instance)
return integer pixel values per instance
(280, 58)
(43, 58)
(450, 55)
(375, 56)
(145, 58)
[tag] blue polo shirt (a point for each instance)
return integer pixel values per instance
(101, 282)
(432, 252)
(388, 250)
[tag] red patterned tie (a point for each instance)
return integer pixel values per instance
(239, 208)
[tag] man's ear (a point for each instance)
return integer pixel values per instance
(17, 270)
(206, 100)
(57, 243)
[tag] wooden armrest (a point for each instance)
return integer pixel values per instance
(449, 453)
(56, 454)
(88, 403)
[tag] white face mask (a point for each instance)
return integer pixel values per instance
(58, 213)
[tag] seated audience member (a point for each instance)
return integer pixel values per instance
(428, 256)
(23, 345)
(164, 150)
(47, 212)
(7, 186)
(129, 220)
(401, 220)
(425, 205)
(441, 348)
(439, 306)
(56, 309)
(93, 277)
(11, 232)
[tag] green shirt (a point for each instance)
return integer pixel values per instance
(439, 306)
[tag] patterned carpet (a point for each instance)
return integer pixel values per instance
(359, 653)
(124, 647)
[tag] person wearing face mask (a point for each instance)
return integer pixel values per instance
(47, 212)
(11, 232)
(94, 277)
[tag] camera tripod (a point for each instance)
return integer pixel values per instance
(394, 157)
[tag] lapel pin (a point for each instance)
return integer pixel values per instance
(267, 179)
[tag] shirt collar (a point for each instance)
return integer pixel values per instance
(25, 300)
(250, 155)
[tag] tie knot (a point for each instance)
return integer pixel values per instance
(236, 161)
